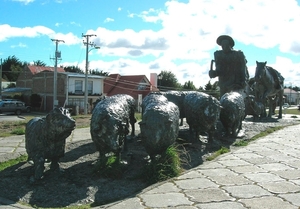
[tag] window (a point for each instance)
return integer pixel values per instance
(142, 85)
(78, 87)
(90, 87)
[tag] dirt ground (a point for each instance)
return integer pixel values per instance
(77, 184)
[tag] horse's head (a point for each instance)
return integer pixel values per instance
(260, 70)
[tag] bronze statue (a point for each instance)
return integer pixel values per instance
(230, 66)
(45, 139)
(269, 85)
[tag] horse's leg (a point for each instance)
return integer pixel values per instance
(270, 107)
(280, 104)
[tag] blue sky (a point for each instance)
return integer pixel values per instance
(148, 36)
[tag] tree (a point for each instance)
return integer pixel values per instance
(39, 63)
(99, 72)
(11, 68)
(189, 85)
(168, 81)
(212, 89)
(73, 69)
(208, 86)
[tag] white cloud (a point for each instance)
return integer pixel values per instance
(58, 24)
(20, 45)
(75, 24)
(24, 1)
(109, 20)
(8, 31)
(69, 38)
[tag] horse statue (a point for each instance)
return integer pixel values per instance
(268, 86)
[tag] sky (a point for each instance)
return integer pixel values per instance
(139, 37)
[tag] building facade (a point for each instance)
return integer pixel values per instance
(70, 87)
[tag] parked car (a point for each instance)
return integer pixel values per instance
(14, 106)
(286, 105)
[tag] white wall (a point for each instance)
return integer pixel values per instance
(97, 84)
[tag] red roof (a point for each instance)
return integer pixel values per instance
(37, 69)
(130, 84)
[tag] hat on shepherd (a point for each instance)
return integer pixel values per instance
(225, 37)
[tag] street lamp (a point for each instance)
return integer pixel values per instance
(87, 67)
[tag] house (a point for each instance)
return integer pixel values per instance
(6, 84)
(291, 96)
(70, 86)
(137, 86)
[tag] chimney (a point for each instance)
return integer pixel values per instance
(153, 79)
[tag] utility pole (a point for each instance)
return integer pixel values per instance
(57, 55)
(0, 79)
(87, 43)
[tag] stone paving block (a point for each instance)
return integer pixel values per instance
(164, 188)
(164, 200)
(129, 203)
(257, 148)
(246, 191)
(247, 155)
(230, 180)
(280, 187)
(212, 164)
(275, 167)
(294, 198)
(295, 163)
(292, 152)
(218, 172)
(197, 183)
(7, 149)
(267, 203)
(218, 205)
(247, 169)
(263, 177)
(233, 162)
(261, 160)
(242, 150)
(190, 175)
(208, 195)
(296, 181)
(230, 157)
(288, 174)
(20, 149)
(280, 157)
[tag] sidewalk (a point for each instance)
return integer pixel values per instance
(264, 174)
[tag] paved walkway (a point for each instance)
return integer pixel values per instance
(264, 174)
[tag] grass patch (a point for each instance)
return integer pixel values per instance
(9, 163)
(261, 134)
(109, 167)
(10, 128)
(221, 151)
(18, 131)
(241, 143)
(164, 167)
(138, 116)
(288, 111)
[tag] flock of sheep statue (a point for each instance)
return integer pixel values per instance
(114, 117)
